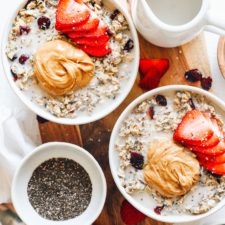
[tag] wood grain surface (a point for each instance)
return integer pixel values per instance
(95, 136)
(221, 55)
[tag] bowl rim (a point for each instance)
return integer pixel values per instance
(149, 212)
(76, 120)
(74, 148)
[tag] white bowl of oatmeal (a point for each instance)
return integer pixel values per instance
(114, 74)
(59, 183)
(148, 124)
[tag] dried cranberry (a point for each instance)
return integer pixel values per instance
(109, 32)
(193, 75)
(151, 112)
(161, 100)
(191, 103)
(24, 30)
(23, 58)
(206, 83)
(129, 45)
(44, 22)
(158, 209)
(15, 77)
(41, 119)
(137, 160)
(114, 14)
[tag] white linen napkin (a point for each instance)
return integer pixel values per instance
(19, 131)
(14, 144)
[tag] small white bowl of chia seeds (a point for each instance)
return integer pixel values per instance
(59, 184)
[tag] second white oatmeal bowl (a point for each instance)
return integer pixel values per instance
(142, 200)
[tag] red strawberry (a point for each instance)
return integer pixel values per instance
(151, 79)
(215, 139)
(194, 129)
(211, 151)
(214, 168)
(152, 71)
(213, 158)
(89, 26)
(96, 51)
(92, 41)
(161, 65)
(70, 13)
(100, 31)
(130, 215)
(151, 112)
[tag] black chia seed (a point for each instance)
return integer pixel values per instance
(59, 189)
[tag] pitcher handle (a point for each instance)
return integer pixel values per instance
(216, 22)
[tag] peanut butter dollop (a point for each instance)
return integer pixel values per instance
(172, 170)
(61, 67)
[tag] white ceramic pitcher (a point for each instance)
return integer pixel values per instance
(170, 23)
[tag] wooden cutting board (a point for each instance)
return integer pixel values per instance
(94, 137)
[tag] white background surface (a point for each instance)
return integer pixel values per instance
(8, 98)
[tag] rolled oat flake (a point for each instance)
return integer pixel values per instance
(59, 189)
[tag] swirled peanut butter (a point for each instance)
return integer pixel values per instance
(61, 67)
(172, 170)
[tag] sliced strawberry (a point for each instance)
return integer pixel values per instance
(130, 215)
(194, 129)
(215, 139)
(161, 65)
(70, 13)
(213, 158)
(100, 31)
(151, 79)
(96, 51)
(92, 41)
(216, 150)
(214, 168)
(89, 26)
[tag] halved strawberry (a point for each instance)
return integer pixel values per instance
(130, 215)
(89, 26)
(92, 41)
(96, 51)
(70, 13)
(216, 150)
(194, 129)
(161, 65)
(151, 79)
(152, 71)
(100, 31)
(213, 158)
(213, 167)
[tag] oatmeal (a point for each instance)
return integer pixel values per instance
(160, 118)
(34, 26)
